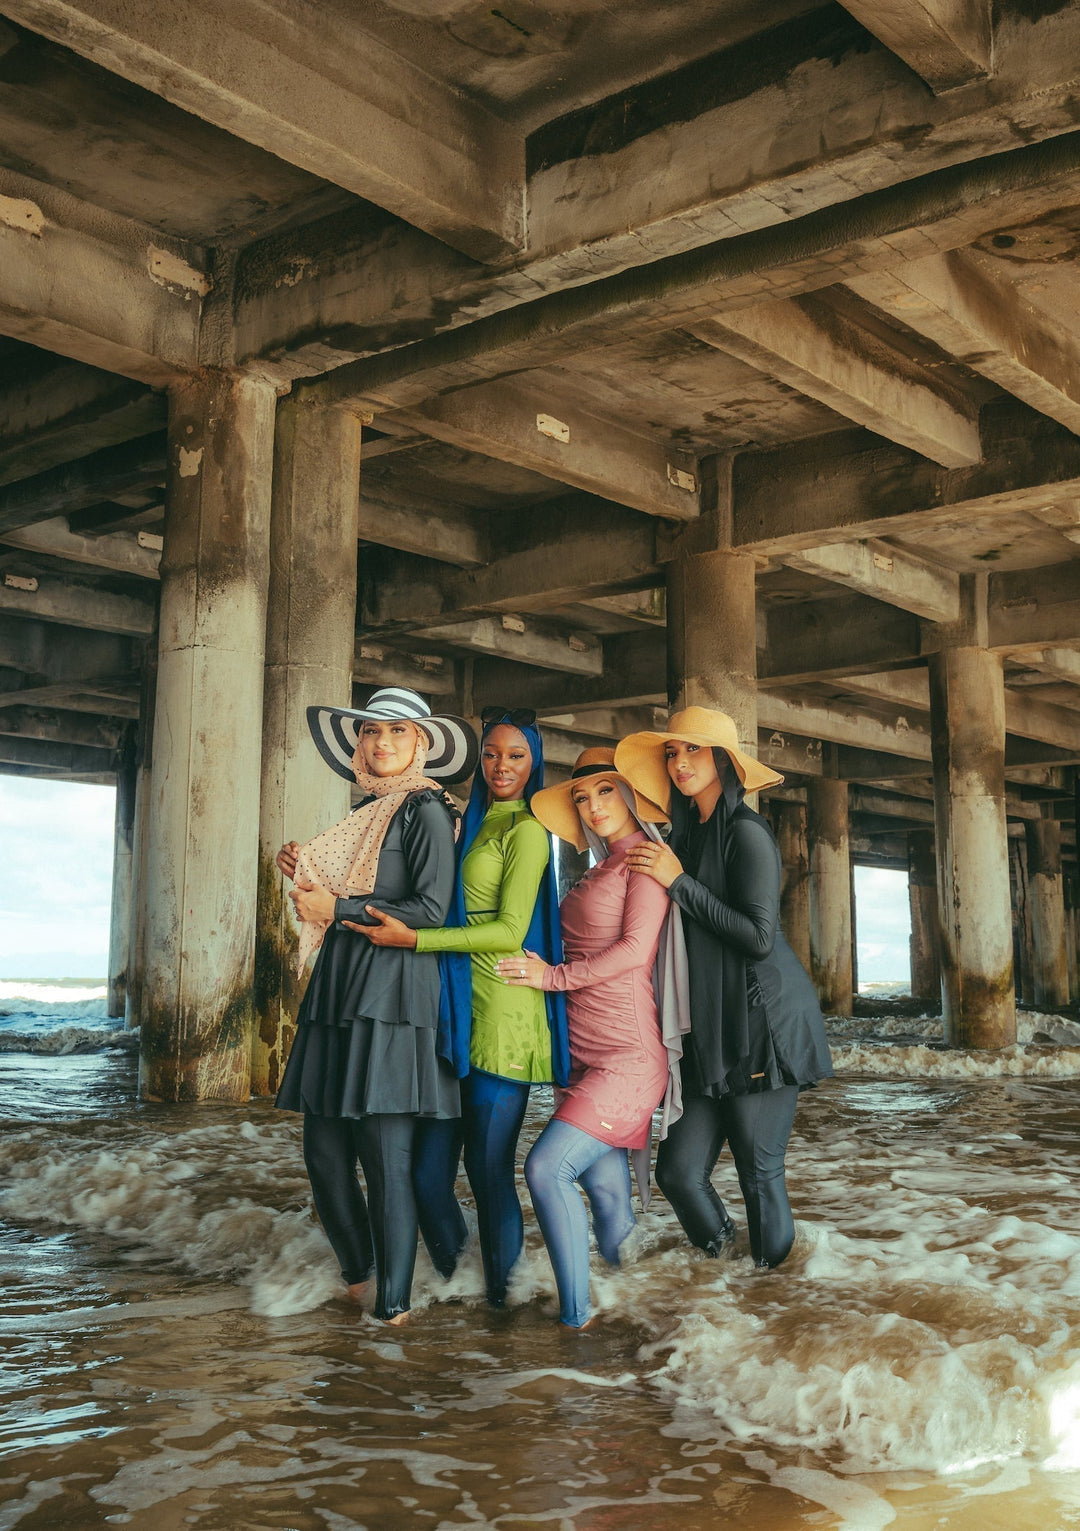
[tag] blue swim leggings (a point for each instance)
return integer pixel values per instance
(492, 1111)
(561, 1156)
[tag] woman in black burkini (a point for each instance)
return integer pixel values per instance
(756, 1033)
(365, 1063)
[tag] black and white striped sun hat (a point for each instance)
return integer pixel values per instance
(453, 749)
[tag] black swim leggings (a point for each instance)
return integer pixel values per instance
(379, 1234)
(758, 1128)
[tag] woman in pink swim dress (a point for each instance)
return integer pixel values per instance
(611, 924)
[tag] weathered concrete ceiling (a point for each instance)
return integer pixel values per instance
(595, 270)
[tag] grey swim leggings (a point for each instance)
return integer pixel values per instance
(758, 1128)
(378, 1234)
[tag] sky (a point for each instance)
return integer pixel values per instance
(882, 925)
(54, 898)
(56, 887)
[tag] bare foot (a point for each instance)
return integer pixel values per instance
(398, 1319)
(578, 1328)
(358, 1292)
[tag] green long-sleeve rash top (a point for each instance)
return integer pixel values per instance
(500, 879)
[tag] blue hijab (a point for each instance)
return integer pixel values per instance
(544, 935)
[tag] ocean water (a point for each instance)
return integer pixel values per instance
(175, 1352)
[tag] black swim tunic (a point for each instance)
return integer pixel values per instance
(366, 1029)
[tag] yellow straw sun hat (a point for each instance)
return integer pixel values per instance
(554, 806)
(640, 757)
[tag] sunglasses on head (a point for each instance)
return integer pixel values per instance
(517, 717)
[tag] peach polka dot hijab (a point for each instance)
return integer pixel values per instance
(344, 859)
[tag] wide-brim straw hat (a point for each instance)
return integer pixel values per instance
(640, 757)
(554, 806)
(453, 749)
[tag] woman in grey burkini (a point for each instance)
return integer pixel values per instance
(365, 1065)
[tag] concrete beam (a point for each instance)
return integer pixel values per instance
(728, 143)
(634, 675)
(376, 665)
(609, 723)
(66, 758)
(850, 487)
(562, 552)
(96, 287)
(818, 350)
(530, 641)
(63, 698)
(946, 42)
(57, 600)
(533, 424)
(566, 550)
(331, 99)
(51, 773)
(74, 485)
(52, 654)
(1026, 716)
(1056, 664)
(888, 574)
(846, 725)
(121, 552)
(890, 805)
(834, 638)
(945, 210)
(1034, 608)
(962, 303)
(414, 524)
(905, 688)
(59, 727)
(69, 412)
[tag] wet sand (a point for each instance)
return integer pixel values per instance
(174, 1353)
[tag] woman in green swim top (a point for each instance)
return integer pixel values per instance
(502, 1040)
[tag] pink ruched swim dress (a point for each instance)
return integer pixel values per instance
(611, 924)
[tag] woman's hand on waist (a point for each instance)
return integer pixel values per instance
(389, 931)
(523, 972)
(286, 859)
(313, 905)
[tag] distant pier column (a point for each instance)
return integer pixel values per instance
(204, 815)
(925, 947)
(1069, 886)
(830, 893)
(140, 850)
(712, 654)
(310, 636)
(790, 821)
(967, 714)
(1050, 953)
(570, 867)
(123, 837)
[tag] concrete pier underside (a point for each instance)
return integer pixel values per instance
(723, 355)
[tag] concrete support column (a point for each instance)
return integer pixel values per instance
(120, 920)
(711, 646)
(967, 714)
(140, 851)
(204, 816)
(830, 893)
(1069, 885)
(925, 945)
(570, 867)
(790, 822)
(1050, 955)
(310, 628)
